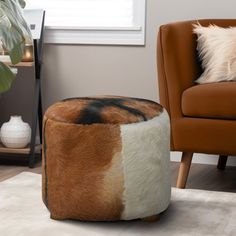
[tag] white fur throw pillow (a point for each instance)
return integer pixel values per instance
(217, 50)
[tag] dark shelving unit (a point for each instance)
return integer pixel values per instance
(35, 19)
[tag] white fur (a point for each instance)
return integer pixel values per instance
(217, 49)
(146, 157)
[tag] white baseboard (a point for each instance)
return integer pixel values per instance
(203, 159)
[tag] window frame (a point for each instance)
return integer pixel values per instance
(134, 35)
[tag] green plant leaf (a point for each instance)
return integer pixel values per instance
(18, 16)
(22, 3)
(13, 42)
(16, 53)
(6, 77)
(14, 31)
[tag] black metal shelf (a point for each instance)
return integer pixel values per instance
(37, 115)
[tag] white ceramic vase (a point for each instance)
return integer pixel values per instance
(15, 133)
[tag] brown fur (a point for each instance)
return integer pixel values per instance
(115, 115)
(83, 176)
(71, 110)
(84, 171)
(150, 109)
(66, 111)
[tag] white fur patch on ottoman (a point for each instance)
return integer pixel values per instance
(146, 158)
(106, 158)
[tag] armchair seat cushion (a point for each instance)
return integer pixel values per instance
(215, 100)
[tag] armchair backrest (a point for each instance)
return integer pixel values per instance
(177, 61)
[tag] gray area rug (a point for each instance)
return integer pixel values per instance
(192, 212)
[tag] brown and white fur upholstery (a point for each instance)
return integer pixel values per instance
(106, 158)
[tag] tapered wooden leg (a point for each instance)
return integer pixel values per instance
(222, 162)
(151, 218)
(184, 169)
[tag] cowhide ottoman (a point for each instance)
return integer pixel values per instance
(106, 158)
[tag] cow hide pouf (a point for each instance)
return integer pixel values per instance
(106, 158)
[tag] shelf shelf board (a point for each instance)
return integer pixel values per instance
(6, 59)
(19, 150)
(21, 64)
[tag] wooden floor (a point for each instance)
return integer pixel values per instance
(205, 177)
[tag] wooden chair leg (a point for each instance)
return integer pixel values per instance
(222, 162)
(184, 169)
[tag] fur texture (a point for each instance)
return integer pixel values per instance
(217, 50)
(104, 110)
(103, 171)
(146, 157)
(83, 171)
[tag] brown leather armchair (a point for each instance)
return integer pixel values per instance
(203, 117)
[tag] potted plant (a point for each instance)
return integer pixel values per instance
(14, 33)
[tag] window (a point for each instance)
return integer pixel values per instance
(93, 21)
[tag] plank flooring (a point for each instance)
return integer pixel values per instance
(206, 177)
(9, 171)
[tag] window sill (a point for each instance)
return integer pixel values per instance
(95, 35)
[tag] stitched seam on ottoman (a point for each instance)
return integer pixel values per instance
(45, 165)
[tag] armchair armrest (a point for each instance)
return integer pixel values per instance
(177, 63)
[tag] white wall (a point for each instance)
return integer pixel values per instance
(79, 70)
